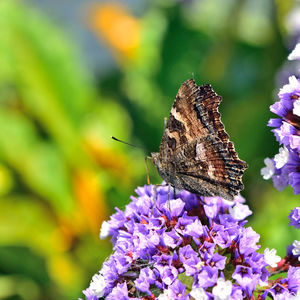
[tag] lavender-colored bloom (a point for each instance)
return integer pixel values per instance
(220, 236)
(237, 293)
(278, 292)
(120, 292)
(294, 217)
(168, 274)
(279, 108)
(207, 249)
(207, 277)
(284, 133)
(280, 181)
(293, 279)
(177, 291)
(248, 241)
(244, 276)
(285, 170)
(89, 295)
(159, 242)
(290, 91)
(218, 261)
(186, 253)
(172, 239)
(275, 122)
(294, 180)
(293, 251)
(194, 229)
(145, 279)
(287, 287)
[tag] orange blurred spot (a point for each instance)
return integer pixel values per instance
(90, 199)
(121, 31)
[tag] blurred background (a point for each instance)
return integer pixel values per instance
(74, 73)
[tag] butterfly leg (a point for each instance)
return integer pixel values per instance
(169, 196)
(154, 195)
(147, 169)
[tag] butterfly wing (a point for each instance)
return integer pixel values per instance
(195, 152)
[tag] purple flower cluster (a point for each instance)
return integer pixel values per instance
(284, 168)
(294, 217)
(287, 288)
(186, 246)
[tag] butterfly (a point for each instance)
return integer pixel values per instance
(195, 151)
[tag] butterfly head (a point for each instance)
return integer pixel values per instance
(155, 158)
(163, 169)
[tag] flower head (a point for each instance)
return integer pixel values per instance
(180, 246)
(294, 217)
(284, 168)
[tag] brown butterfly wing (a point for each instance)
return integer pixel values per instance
(195, 152)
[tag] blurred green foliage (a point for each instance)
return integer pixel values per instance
(61, 175)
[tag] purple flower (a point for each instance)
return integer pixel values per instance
(287, 287)
(248, 240)
(275, 122)
(168, 247)
(145, 279)
(220, 236)
(89, 295)
(172, 239)
(237, 293)
(207, 277)
(278, 292)
(207, 249)
(177, 291)
(293, 250)
(217, 260)
(284, 169)
(120, 292)
(167, 274)
(293, 279)
(294, 217)
(194, 229)
(294, 180)
(245, 277)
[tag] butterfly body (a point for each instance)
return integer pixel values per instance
(195, 151)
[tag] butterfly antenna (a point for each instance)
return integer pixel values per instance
(193, 74)
(135, 146)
